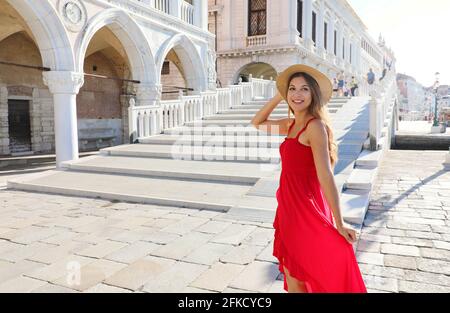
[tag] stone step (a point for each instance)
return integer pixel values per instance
(351, 135)
(280, 106)
(354, 205)
(247, 117)
(235, 113)
(260, 102)
(35, 159)
(260, 140)
(207, 130)
(218, 196)
(264, 101)
(220, 123)
(246, 122)
(344, 165)
(362, 178)
(349, 148)
(197, 153)
(250, 130)
(210, 153)
(248, 210)
(239, 110)
(369, 158)
(167, 168)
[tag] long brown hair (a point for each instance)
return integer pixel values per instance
(319, 110)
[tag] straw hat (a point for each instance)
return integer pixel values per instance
(324, 82)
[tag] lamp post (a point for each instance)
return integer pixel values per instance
(436, 129)
(436, 85)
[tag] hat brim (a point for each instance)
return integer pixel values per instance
(322, 80)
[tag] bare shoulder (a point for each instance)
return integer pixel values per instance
(317, 125)
(317, 131)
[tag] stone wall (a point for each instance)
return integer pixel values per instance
(42, 121)
(25, 84)
(4, 133)
(100, 98)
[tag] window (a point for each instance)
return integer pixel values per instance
(350, 53)
(256, 17)
(325, 35)
(166, 68)
(300, 17)
(343, 48)
(335, 42)
(314, 23)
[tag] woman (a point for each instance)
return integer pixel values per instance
(312, 243)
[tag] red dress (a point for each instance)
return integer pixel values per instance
(306, 241)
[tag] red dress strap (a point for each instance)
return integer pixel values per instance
(290, 127)
(304, 128)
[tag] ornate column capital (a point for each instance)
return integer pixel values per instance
(147, 94)
(63, 82)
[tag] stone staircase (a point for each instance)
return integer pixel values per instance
(358, 185)
(219, 163)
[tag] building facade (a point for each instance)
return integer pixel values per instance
(263, 37)
(68, 68)
(414, 101)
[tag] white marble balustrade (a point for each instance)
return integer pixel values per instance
(145, 121)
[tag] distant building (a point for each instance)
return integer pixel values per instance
(413, 104)
(262, 37)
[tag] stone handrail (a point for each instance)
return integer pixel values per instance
(263, 88)
(145, 121)
(177, 8)
(256, 40)
(382, 94)
(187, 12)
(162, 5)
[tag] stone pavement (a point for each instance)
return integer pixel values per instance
(405, 241)
(51, 243)
(417, 127)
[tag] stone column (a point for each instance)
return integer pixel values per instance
(147, 94)
(331, 29)
(358, 55)
(340, 36)
(64, 86)
(307, 23)
(293, 32)
(201, 13)
(320, 28)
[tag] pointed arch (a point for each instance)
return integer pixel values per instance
(49, 33)
(194, 69)
(131, 36)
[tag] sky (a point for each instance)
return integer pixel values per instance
(417, 31)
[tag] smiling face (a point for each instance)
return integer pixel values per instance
(299, 94)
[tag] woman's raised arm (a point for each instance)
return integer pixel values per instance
(261, 121)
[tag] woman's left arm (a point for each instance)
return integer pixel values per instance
(319, 145)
